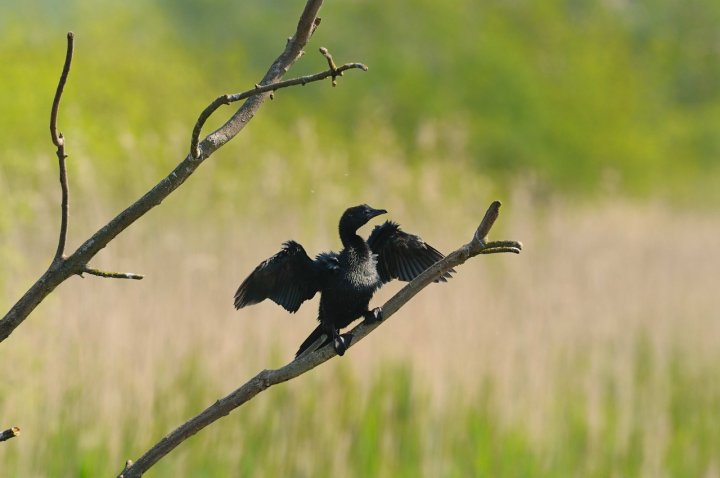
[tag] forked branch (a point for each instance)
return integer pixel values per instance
(260, 89)
(63, 267)
(59, 141)
(306, 362)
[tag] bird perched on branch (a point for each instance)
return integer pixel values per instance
(346, 280)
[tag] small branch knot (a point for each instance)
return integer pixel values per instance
(331, 63)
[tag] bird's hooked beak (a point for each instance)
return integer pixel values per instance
(371, 213)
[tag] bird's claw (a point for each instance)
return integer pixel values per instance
(342, 342)
(372, 316)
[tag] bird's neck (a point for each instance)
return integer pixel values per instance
(352, 241)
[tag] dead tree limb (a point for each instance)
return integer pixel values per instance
(271, 88)
(59, 141)
(76, 263)
(306, 362)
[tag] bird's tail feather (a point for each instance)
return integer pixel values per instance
(314, 338)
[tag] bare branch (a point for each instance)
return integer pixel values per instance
(61, 267)
(57, 137)
(110, 275)
(307, 362)
(76, 263)
(331, 63)
(59, 141)
(487, 222)
(9, 433)
(259, 89)
(497, 250)
(293, 51)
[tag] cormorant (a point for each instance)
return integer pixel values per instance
(346, 280)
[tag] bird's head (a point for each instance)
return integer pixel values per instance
(355, 217)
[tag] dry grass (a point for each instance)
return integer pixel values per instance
(591, 284)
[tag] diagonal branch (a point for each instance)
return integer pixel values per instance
(59, 141)
(77, 262)
(307, 362)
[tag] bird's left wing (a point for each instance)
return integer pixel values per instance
(401, 255)
(288, 278)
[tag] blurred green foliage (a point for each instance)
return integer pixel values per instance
(583, 95)
(331, 425)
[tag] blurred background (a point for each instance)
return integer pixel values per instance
(593, 353)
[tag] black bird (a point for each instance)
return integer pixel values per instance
(346, 280)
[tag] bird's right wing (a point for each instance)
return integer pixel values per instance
(288, 278)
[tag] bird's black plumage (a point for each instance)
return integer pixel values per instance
(346, 280)
(401, 255)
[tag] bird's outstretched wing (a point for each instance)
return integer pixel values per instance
(288, 278)
(401, 255)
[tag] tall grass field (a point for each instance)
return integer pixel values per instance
(593, 353)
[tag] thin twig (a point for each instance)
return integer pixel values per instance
(57, 138)
(258, 90)
(306, 362)
(496, 250)
(9, 433)
(110, 275)
(487, 222)
(331, 64)
(59, 141)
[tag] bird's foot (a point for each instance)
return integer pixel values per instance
(342, 342)
(372, 316)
